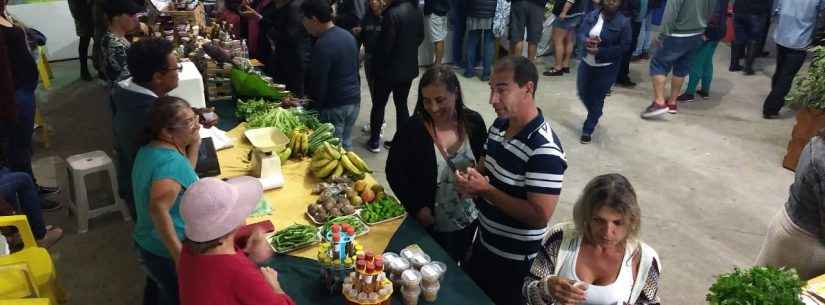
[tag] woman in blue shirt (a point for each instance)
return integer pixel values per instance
(163, 169)
(606, 35)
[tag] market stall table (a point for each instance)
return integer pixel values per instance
(299, 270)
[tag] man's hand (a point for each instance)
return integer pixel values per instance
(271, 277)
(472, 183)
(257, 248)
(248, 12)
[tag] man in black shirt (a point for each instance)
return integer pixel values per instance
(749, 20)
(333, 80)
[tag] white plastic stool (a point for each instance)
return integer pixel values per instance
(81, 166)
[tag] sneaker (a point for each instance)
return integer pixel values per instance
(47, 205)
(485, 78)
(673, 108)
(687, 97)
(626, 83)
(585, 139)
(387, 144)
(566, 70)
(735, 68)
(53, 235)
(374, 145)
(645, 56)
(770, 116)
(704, 95)
(366, 128)
(469, 75)
(553, 72)
(654, 111)
(45, 190)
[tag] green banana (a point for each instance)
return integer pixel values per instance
(304, 144)
(358, 162)
(333, 153)
(320, 163)
(349, 166)
(327, 169)
(339, 170)
(284, 154)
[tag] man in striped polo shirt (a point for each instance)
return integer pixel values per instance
(517, 187)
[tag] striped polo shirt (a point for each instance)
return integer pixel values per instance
(532, 161)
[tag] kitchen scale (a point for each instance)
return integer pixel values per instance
(266, 165)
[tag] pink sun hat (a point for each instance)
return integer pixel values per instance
(212, 208)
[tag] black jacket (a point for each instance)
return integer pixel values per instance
(284, 26)
(350, 13)
(370, 33)
(402, 31)
(481, 8)
(437, 7)
(411, 165)
(753, 7)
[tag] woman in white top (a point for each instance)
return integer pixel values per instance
(597, 259)
(606, 35)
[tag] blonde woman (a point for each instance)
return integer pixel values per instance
(597, 259)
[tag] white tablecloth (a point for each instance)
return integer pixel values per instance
(190, 86)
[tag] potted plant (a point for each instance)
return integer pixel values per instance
(757, 286)
(808, 92)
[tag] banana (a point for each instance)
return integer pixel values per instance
(320, 163)
(284, 154)
(304, 143)
(321, 154)
(339, 170)
(349, 166)
(300, 144)
(327, 169)
(358, 162)
(333, 153)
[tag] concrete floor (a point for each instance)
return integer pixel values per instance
(709, 179)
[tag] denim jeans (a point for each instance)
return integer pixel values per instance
(644, 38)
(343, 118)
(161, 278)
(702, 68)
(592, 84)
(16, 138)
(624, 73)
(488, 51)
(788, 63)
(749, 27)
(18, 187)
(458, 22)
(676, 54)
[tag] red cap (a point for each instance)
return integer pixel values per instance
(350, 231)
(369, 256)
(345, 226)
(370, 268)
(360, 257)
(378, 262)
(335, 236)
(361, 264)
(336, 228)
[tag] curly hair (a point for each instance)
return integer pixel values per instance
(613, 191)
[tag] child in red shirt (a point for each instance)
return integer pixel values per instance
(213, 266)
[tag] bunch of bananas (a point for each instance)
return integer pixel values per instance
(299, 144)
(331, 162)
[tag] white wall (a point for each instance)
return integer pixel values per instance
(55, 21)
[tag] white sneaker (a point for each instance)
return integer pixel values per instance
(366, 128)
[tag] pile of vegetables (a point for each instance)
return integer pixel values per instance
(334, 199)
(383, 208)
(757, 286)
(354, 222)
(261, 113)
(293, 237)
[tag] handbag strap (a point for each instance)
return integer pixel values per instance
(441, 149)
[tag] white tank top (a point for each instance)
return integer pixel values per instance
(616, 293)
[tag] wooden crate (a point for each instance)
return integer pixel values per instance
(193, 17)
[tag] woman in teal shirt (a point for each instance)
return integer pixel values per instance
(164, 168)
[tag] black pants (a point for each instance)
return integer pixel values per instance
(788, 63)
(500, 278)
(457, 243)
(624, 73)
(382, 90)
(289, 68)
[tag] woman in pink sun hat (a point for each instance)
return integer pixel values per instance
(215, 267)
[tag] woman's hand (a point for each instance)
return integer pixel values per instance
(563, 291)
(271, 277)
(257, 248)
(425, 217)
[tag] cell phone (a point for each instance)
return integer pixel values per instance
(208, 116)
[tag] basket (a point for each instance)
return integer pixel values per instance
(386, 301)
(196, 16)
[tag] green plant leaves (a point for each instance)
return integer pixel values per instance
(757, 286)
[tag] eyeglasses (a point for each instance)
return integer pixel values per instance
(187, 123)
(179, 68)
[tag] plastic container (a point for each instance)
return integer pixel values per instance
(410, 295)
(430, 294)
(430, 274)
(399, 266)
(419, 260)
(410, 278)
(442, 266)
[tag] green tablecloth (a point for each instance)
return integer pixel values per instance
(300, 277)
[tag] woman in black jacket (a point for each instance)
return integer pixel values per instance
(442, 137)
(396, 60)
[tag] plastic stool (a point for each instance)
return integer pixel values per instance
(81, 166)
